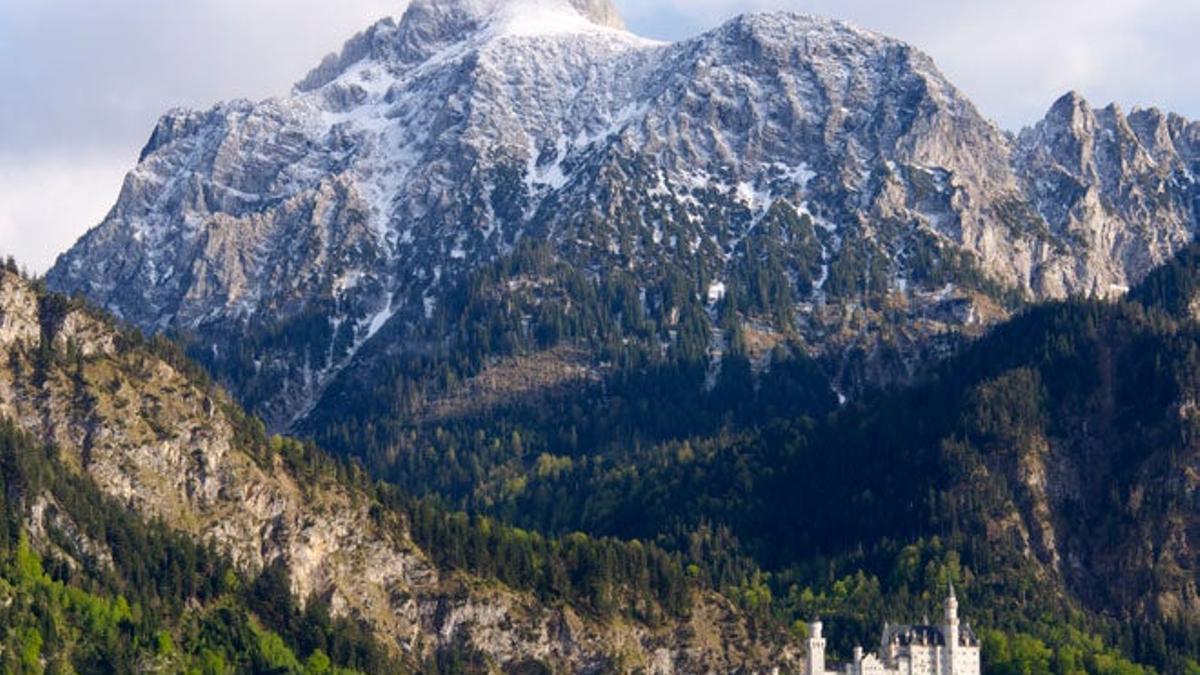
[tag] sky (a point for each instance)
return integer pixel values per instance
(83, 81)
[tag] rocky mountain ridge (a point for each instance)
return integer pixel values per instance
(430, 146)
(1124, 184)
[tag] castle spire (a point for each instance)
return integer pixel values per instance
(951, 630)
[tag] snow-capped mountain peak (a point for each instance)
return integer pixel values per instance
(541, 17)
(434, 144)
(430, 28)
(508, 13)
(430, 25)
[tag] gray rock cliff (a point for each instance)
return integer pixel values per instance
(432, 145)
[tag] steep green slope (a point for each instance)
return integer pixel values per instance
(111, 593)
(140, 423)
(531, 358)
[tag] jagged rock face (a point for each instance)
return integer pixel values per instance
(434, 144)
(1122, 186)
(153, 439)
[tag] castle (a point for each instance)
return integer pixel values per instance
(947, 649)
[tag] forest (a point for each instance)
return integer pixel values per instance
(888, 498)
(625, 500)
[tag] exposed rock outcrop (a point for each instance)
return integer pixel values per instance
(432, 145)
(151, 437)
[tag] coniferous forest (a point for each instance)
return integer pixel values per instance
(887, 499)
(625, 500)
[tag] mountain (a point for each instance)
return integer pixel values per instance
(765, 324)
(1123, 184)
(828, 179)
(136, 429)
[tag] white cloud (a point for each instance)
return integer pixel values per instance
(100, 73)
(46, 203)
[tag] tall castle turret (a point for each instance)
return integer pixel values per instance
(950, 630)
(816, 649)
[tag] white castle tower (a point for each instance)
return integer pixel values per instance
(950, 630)
(949, 649)
(816, 648)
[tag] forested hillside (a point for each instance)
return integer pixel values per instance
(135, 485)
(1028, 469)
(533, 364)
(86, 586)
(1049, 468)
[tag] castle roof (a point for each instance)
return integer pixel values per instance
(909, 636)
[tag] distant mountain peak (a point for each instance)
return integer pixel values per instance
(1069, 101)
(599, 12)
(522, 17)
(430, 26)
(436, 143)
